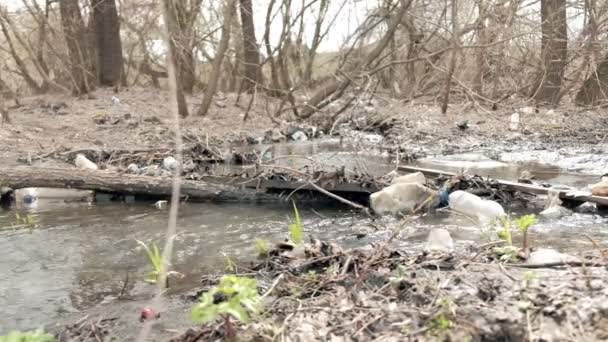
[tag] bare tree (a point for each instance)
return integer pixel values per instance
(554, 51)
(318, 100)
(595, 88)
(170, 11)
(75, 35)
(316, 40)
(453, 57)
(250, 48)
(229, 8)
(108, 42)
(185, 13)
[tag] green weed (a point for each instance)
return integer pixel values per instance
(505, 233)
(27, 220)
(235, 297)
(524, 223)
(262, 247)
(156, 260)
(30, 336)
(296, 231)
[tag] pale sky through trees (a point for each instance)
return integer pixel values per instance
(345, 21)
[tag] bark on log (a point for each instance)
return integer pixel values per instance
(106, 181)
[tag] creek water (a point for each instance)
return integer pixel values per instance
(78, 256)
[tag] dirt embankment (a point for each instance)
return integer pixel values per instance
(140, 118)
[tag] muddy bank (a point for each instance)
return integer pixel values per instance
(48, 125)
(386, 293)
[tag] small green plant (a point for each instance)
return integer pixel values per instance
(29, 336)
(235, 297)
(311, 275)
(262, 247)
(442, 322)
(296, 231)
(399, 275)
(333, 269)
(230, 265)
(506, 253)
(524, 223)
(156, 260)
(529, 277)
(505, 233)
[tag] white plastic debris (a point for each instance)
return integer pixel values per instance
(416, 177)
(474, 206)
(169, 163)
(27, 198)
(115, 100)
(299, 136)
(553, 207)
(373, 138)
(514, 124)
(83, 163)
(440, 239)
(548, 255)
(133, 168)
(527, 110)
(161, 204)
(401, 198)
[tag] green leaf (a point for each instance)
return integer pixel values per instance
(240, 295)
(262, 247)
(156, 260)
(525, 222)
(296, 231)
(505, 233)
(30, 336)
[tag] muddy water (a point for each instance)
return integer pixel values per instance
(78, 256)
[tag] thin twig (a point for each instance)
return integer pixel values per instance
(340, 199)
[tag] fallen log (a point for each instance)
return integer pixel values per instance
(275, 184)
(112, 182)
(534, 189)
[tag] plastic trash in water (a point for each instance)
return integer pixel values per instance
(416, 177)
(161, 204)
(553, 206)
(474, 206)
(440, 239)
(402, 198)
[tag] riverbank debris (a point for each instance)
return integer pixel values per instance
(383, 293)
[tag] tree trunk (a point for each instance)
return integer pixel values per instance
(104, 181)
(27, 76)
(185, 16)
(275, 87)
(75, 35)
(594, 90)
(216, 66)
(338, 85)
(554, 52)
(453, 58)
(250, 48)
(108, 44)
(316, 41)
(480, 55)
(170, 10)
